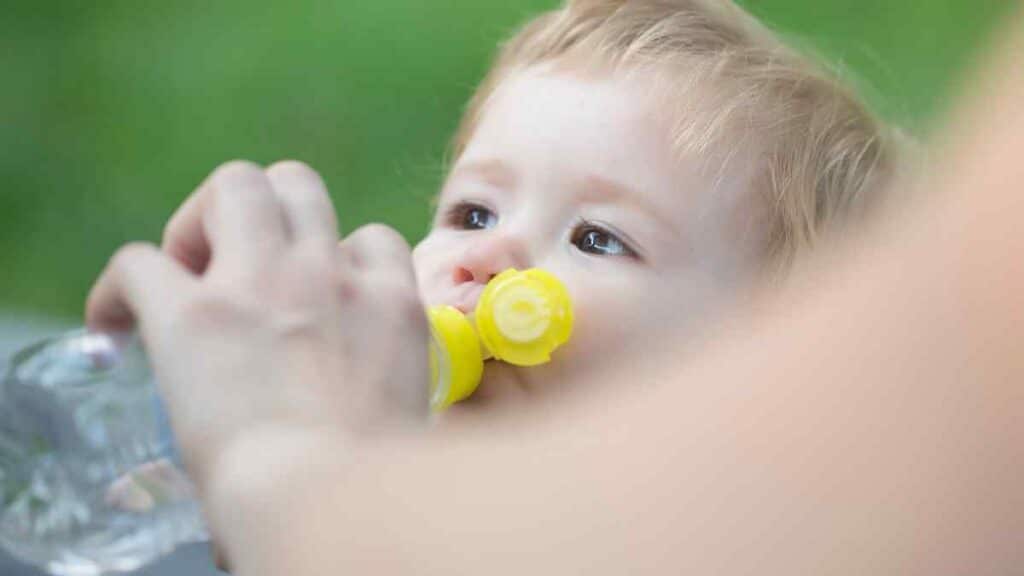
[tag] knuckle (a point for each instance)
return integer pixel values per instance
(209, 307)
(385, 236)
(397, 294)
(129, 253)
(236, 169)
(235, 177)
(293, 169)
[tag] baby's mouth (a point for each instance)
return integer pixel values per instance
(465, 297)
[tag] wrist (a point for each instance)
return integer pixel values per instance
(250, 489)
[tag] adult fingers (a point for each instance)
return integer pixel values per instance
(233, 211)
(184, 238)
(141, 284)
(243, 219)
(379, 249)
(305, 202)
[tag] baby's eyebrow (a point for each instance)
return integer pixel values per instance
(490, 170)
(601, 189)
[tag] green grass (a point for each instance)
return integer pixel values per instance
(113, 111)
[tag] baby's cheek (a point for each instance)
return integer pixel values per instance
(624, 318)
(598, 328)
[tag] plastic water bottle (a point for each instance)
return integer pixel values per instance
(90, 479)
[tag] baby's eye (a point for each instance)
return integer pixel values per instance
(593, 239)
(468, 216)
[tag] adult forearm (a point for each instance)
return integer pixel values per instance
(868, 423)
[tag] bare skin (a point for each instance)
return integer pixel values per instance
(866, 421)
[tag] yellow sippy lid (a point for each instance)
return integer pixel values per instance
(456, 361)
(521, 318)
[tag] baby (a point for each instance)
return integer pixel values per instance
(659, 156)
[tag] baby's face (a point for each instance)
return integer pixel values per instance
(577, 175)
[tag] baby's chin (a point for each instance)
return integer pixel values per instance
(506, 390)
(502, 387)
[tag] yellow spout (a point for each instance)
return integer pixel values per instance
(522, 317)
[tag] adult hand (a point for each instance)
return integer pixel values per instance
(261, 328)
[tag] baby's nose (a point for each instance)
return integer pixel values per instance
(489, 257)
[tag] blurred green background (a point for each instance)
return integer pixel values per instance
(111, 111)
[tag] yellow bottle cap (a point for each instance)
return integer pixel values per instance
(456, 361)
(523, 316)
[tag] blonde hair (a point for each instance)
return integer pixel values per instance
(822, 152)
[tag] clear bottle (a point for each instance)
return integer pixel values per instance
(90, 479)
